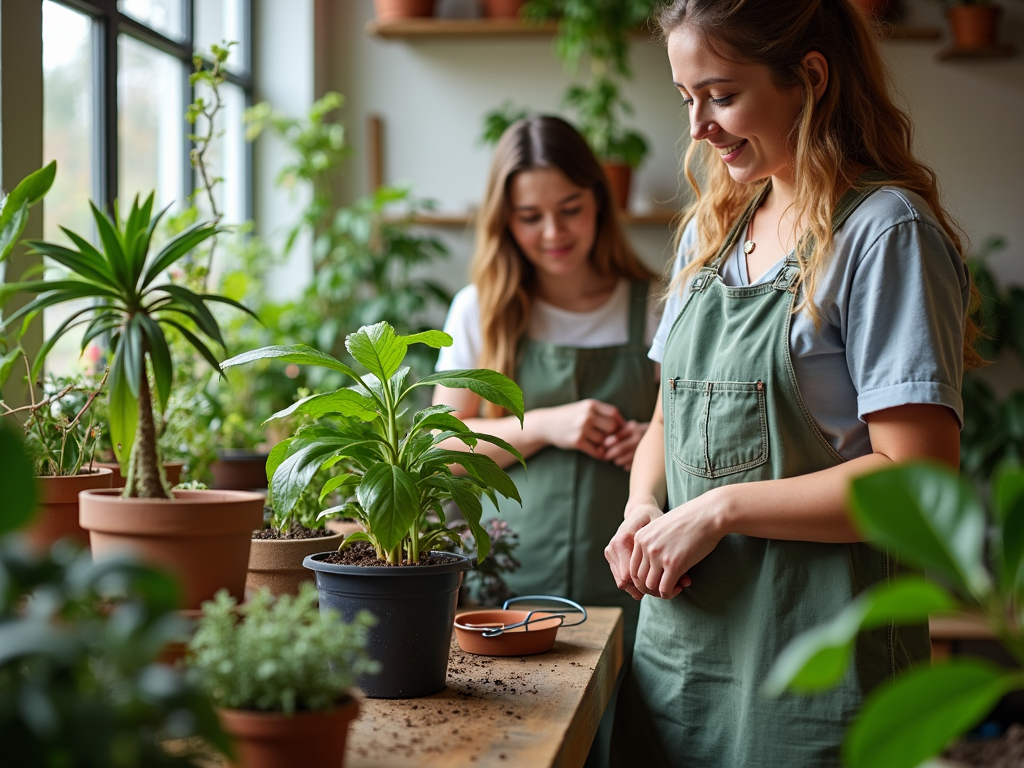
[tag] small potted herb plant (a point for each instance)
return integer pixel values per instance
(201, 536)
(396, 479)
(60, 429)
(280, 674)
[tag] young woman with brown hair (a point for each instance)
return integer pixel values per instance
(559, 302)
(816, 330)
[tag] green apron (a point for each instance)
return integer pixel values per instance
(733, 414)
(573, 503)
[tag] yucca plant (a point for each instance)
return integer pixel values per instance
(395, 475)
(137, 305)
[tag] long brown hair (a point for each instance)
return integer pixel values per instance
(854, 121)
(505, 280)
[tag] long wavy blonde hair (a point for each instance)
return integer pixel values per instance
(854, 121)
(505, 280)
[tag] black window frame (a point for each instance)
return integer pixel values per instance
(109, 23)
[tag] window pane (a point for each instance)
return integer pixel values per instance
(151, 123)
(225, 157)
(165, 16)
(220, 21)
(68, 138)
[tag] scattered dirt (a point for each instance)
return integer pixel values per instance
(1007, 751)
(363, 554)
(296, 531)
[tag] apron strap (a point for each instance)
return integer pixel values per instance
(638, 291)
(709, 272)
(846, 205)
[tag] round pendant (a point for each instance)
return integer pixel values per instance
(748, 247)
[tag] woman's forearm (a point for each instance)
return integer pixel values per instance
(647, 483)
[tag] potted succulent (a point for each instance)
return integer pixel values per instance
(936, 521)
(280, 675)
(61, 434)
(78, 648)
(396, 479)
(201, 536)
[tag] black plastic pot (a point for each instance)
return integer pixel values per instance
(415, 610)
(239, 470)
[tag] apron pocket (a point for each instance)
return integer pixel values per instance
(716, 428)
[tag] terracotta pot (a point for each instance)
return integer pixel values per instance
(172, 470)
(874, 9)
(277, 563)
(201, 537)
(273, 740)
(974, 26)
(57, 515)
(503, 9)
(619, 177)
(538, 637)
(391, 10)
(239, 470)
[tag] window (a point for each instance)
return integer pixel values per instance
(116, 83)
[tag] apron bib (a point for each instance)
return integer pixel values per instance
(733, 413)
(572, 503)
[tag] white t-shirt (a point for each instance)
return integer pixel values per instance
(606, 326)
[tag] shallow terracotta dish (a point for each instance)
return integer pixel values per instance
(513, 633)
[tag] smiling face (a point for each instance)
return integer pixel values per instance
(736, 108)
(553, 221)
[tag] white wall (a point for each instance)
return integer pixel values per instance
(432, 93)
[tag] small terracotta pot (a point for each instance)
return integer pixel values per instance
(503, 9)
(538, 637)
(391, 10)
(239, 470)
(57, 514)
(172, 471)
(273, 740)
(201, 537)
(277, 563)
(619, 176)
(974, 26)
(874, 9)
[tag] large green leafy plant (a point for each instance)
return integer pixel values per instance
(933, 520)
(278, 655)
(137, 305)
(399, 477)
(79, 681)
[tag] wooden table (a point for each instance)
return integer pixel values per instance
(528, 711)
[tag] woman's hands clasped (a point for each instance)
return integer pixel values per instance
(593, 427)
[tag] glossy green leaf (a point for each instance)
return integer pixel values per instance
(353, 537)
(344, 402)
(481, 467)
(391, 501)
(378, 349)
(435, 339)
(199, 311)
(467, 498)
(25, 194)
(122, 409)
(345, 485)
(930, 517)
(300, 354)
(490, 385)
(78, 263)
(913, 719)
(113, 248)
(160, 355)
(818, 658)
(7, 363)
(18, 481)
(178, 248)
(1008, 510)
(278, 454)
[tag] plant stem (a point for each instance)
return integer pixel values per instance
(145, 475)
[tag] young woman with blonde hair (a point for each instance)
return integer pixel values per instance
(559, 302)
(817, 329)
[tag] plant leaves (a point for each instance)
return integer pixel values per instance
(122, 409)
(345, 485)
(390, 499)
(378, 349)
(930, 517)
(1008, 510)
(18, 481)
(344, 401)
(905, 723)
(481, 467)
(300, 354)
(490, 385)
(25, 194)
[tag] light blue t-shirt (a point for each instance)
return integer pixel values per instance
(893, 303)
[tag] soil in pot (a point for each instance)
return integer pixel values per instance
(57, 515)
(415, 610)
(275, 557)
(202, 537)
(392, 10)
(272, 740)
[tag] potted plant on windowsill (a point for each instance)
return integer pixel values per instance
(398, 477)
(974, 24)
(60, 433)
(280, 674)
(202, 537)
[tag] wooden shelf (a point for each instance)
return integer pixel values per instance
(910, 32)
(460, 28)
(951, 52)
(660, 217)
